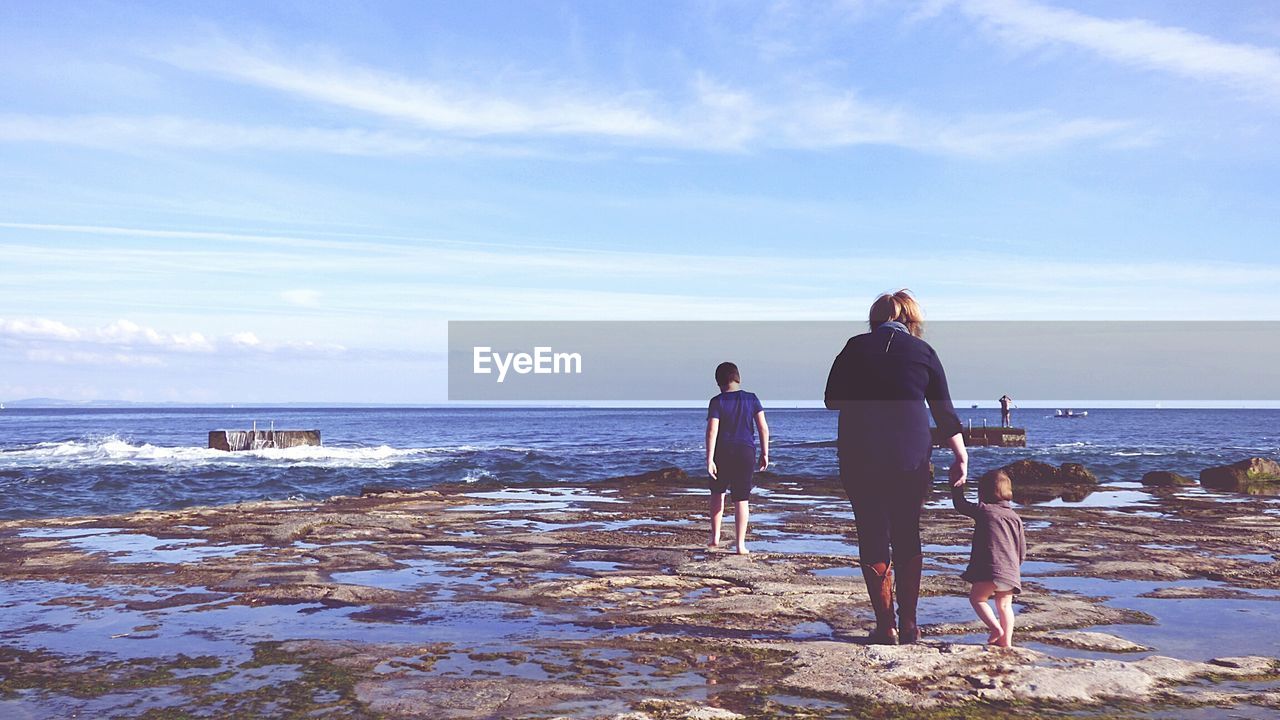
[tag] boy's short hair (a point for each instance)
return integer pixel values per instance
(995, 486)
(727, 372)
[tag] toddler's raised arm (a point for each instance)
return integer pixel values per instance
(962, 504)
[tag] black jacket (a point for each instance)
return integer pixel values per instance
(880, 383)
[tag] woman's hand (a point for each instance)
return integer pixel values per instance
(711, 469)
(960, 465)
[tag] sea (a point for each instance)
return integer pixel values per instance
(69, 462)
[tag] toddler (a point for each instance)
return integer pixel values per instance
(999, 547)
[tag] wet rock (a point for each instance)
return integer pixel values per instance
(1202, 593)
(666, 475)
(1149, 569)
(1031, 472)
(1076, 474)
(655, 708)
(1035, 481)
(177, 600)
(711, 713)
(1255, 476)
(458, 698)
(695, 604)
(329, 593)
(1091, 641)
(1166, 478)
(1034, 472)
(891, 674)
(1249, 665)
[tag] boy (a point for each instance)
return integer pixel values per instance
(999, 547)
(733, 417)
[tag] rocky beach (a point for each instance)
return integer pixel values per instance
(599, 600)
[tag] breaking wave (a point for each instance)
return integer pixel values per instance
(113, 450)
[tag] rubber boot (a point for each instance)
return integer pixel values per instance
(879, 579)
(908, 586)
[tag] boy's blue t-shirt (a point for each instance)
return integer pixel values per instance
(737, 413)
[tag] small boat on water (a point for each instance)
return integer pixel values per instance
(1069, 413)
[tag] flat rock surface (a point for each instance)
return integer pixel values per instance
(477, 601)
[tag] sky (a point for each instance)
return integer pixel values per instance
(288, 201)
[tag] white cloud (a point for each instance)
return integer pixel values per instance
(55, 341)
(245, 339)
(707, 115)
(38, 328)
(125, 332)
(301, 297)
(1136, 42)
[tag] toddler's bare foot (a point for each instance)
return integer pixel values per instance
(742, 550)
(1002, 643)
(994, 636)
(713, 545)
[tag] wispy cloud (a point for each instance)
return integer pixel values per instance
(301, 297)
(453, 108)
(167, 131)
(705, 115)
(80, 357)
(562, 283)
(1137, 42)
(826, 122)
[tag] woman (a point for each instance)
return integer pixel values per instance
(880, 383)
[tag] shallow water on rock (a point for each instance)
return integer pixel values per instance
(1183, 626)
(779, 542)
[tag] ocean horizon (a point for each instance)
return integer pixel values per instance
(64, 461)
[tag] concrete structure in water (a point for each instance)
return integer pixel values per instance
(990, 436)
(261, 439)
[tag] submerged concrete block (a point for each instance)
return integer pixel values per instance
(231, 440)
(993, 436)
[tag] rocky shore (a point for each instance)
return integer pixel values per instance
(477, 601)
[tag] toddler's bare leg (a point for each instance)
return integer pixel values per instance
(740, 525)
(978, 596)
(717, 517)
(1004, 604)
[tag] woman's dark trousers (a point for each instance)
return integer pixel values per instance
(887, 507)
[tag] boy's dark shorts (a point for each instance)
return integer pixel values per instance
(735, 464)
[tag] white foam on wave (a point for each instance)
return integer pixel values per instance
(477, 474)
(113, 450)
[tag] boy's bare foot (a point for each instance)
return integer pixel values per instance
(994, 636)
(1001, 643)
(742, 550)
(713, 546)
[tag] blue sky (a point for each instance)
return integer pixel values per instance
(258, 202)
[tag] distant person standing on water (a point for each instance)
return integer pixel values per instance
(733, 418)
(1006, 417)
(881, 383)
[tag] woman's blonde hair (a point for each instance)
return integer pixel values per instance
(900, 306)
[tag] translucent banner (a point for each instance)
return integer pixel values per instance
(594, 361)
